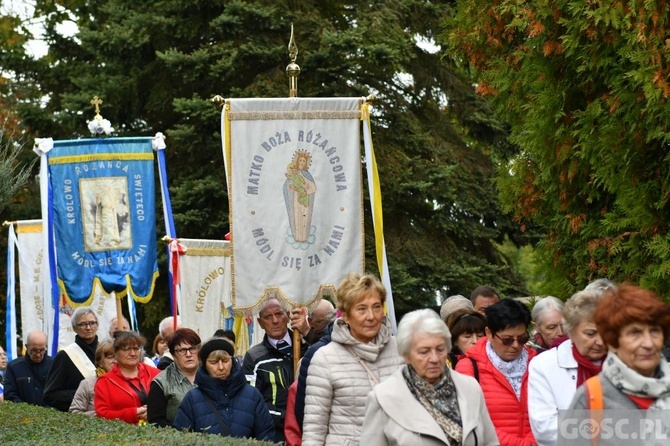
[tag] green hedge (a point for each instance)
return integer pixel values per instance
(23, 424)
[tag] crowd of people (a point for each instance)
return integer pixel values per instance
(484, 371)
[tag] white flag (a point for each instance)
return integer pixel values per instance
(31, 289)
(205, 285)
(294, 172)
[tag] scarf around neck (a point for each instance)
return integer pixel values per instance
(439, 400)
(585, 367)
(513, 370)
(632, 383)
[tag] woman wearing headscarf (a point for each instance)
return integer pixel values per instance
(500, 363)
(122, 392)
(555, 375)
(635, 376)
(223, 402)
(362, 353)
(425, 402)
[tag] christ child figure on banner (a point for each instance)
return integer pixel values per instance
(299, 190)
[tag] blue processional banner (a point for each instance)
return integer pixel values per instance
(103, 211)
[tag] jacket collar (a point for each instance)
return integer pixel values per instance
(370, 351)
(564, 356)
(398, 402)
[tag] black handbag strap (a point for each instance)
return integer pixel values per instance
(224, 426)
(141, 393)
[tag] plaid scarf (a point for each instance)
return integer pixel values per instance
(439, 400)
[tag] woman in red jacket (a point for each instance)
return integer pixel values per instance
(499, 361)
(121, 393)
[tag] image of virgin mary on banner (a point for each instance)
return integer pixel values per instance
(294, 178)
(102, 202)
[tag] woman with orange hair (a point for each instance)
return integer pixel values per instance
(634, 324)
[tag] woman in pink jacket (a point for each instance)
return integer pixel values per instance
(499, 362)
(121, 393)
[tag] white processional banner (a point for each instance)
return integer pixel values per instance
(31, 256)
(295, 188)
(205, 285)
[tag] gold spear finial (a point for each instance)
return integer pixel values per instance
(218, 101)
(96, 101)
(292, 69)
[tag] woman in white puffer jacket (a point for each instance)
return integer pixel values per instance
(362, 353)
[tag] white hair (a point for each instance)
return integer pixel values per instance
(166, 324)
(424, 321)
(545, 306)
(600, 286)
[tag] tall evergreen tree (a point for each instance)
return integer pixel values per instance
(156, 64)
(584, 86)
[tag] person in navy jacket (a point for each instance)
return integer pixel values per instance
(26, 376)
(223, 403)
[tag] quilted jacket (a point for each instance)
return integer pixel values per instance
(338, 385)
(509, 414)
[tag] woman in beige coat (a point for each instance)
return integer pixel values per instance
(362, 352)
(426, 403)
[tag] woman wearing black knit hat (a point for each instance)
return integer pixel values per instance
(223, 403)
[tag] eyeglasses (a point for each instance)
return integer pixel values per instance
(128, 349)
(87, 324)
(509, 341)
(37, 351)
(184, 351)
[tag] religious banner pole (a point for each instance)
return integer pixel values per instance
(98, 119)
(293, 70)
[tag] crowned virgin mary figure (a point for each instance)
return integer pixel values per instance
(299, 189)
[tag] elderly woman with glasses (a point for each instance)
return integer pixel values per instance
(171, 385)
(122, 392)
(500, 363)
(74, 363)
(223, 402)
(84, 398)
(425, 402)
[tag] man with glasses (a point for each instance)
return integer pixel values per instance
(26, 376)
(75, 362)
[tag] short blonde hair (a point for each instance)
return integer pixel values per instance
(580, 308)
(354, 287)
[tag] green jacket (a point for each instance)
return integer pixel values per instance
(167, 391)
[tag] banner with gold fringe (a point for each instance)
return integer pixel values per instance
(295, 189)
(100, 200)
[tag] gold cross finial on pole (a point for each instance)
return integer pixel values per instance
(96, 101)
(292, 69)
